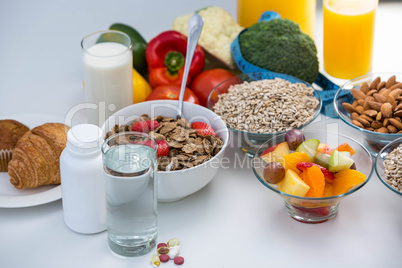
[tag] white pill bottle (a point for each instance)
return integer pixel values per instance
(82, 180)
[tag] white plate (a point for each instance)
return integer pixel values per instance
(10, 197)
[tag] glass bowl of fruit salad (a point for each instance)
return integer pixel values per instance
(388, 166)
(312, 170)
(258, 106)
(372, 105)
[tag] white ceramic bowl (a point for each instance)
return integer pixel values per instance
(175, 185)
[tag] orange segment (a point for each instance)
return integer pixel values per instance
(314, 178)
(290, 160)
(346, 179)
(346, 147)
(328, 190)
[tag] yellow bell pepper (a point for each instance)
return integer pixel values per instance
(141, 87)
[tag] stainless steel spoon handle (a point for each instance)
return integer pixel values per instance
(195, 25)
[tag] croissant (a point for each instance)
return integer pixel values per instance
(35, 159)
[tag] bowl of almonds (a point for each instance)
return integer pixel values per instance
(259, 106)
(372, 104)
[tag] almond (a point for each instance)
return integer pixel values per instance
(391, 81)
(395, 93)
(375, 105)
(398, 107)
(371, 113)
(382, 130)
(360, 109)
(386, 109)
(397, 85)
(372, 92)
(379, 98)
(354, 116)
(396, 123)
(361, 102)
(365, 88)
(370, 98)
(366, 106)
(376, 124)
(354, 103)
(381, 85)
(357, 123)
(357, 94)
(368, 118)
(363, 121)
(391, 101)
(375, 82)
(385, 122)
(348, 107)
(398, 113)
(384, 92)
(379, 116)
(392, 129)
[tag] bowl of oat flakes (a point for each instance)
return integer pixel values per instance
(193, 159)
(388, 166)
(258, 106)
(372, 105)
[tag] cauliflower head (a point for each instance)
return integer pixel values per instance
(217, 34)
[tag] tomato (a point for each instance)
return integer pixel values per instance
(203, 83)
(172, 92)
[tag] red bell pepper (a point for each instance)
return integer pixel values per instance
(165, 56)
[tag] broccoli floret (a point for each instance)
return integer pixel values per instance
(280, 46)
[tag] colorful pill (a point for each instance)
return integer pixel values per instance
(164, 257)
(173, 242)
(161, 245)
(163, 250)
(155, 260)
(179, 260)
(174, 252)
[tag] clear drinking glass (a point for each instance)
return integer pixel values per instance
(301, 12)
(348, 37)
(108, 73)
(130, 165)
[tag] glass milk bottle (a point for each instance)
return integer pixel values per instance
(82, 180)
(108, 74)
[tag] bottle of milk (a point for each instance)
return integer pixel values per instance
(82, 180)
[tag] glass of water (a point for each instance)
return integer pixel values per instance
(130, 165)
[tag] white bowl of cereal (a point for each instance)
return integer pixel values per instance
(258, 106)
(191, 164)
(388, 166)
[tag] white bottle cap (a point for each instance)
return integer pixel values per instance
(84, 138)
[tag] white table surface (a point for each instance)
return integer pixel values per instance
(234, 221)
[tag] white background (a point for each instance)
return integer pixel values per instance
(234, 221)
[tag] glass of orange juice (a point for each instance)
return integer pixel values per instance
(300, 11)
(348, 37)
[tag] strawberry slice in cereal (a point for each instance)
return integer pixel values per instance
(203, 129)
(145, 126)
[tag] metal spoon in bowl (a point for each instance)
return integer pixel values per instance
(195, 25)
